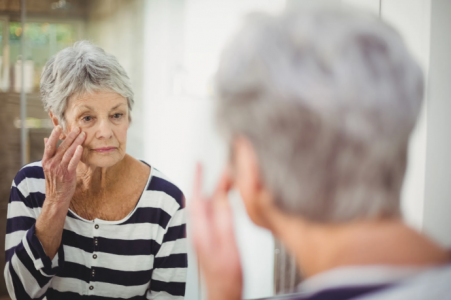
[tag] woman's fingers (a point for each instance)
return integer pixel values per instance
(214, 241)
(197, 188)
(67, 157)
(211, 219)
(68, 141)
(75, 159)
(200, 221)
(224, 222)
(224, 185)
(223, 219)
(51, 144)
(200, 227)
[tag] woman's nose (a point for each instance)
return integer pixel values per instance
(104, 131)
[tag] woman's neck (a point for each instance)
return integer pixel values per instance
(95, 180)
(319, 247)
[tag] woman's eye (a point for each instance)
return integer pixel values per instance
(87, 118)
(117, 116)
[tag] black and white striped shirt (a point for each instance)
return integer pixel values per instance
(142, 256)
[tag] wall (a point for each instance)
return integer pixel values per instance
(117, 27)
(437, 207)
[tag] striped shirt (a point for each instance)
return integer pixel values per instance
(142, 256)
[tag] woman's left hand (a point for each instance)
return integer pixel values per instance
(214, 240)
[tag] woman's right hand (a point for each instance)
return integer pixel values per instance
(60, 165)
(214, 239)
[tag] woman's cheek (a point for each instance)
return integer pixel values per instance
(122, 137)
(87, 136)
(85, 143)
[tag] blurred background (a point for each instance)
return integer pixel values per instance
(170, 50)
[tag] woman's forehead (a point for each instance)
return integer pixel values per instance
(97, 100)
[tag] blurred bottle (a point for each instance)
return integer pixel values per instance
(28, 76)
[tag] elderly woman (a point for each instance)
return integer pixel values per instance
(318, 108)
(89, 220)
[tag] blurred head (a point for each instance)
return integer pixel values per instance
(86, 87)
(326, 101)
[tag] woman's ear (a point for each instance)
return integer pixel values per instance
(56, 122)
(246, 162)
(247, 178)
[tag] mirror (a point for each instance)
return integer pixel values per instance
(170, 50)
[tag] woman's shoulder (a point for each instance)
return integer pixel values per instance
(29, 185)
(159, 182)
(31, 171)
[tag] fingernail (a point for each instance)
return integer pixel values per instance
(76, 129)
(59, 127)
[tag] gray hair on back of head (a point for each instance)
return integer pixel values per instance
(82, 68)
(328, 99)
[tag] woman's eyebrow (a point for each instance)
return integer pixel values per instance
(118, 106)
(85, 106)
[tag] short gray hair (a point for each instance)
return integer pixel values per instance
(328, 98)
(82, 68)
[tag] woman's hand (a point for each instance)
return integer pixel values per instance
(214, 240)
(60, 164)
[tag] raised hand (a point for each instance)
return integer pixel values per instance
(60, 164)
(214, 240)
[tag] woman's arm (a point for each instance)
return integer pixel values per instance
(28, 269)
(33, 239)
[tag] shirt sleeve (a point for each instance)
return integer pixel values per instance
(28, 270)
(171, 262)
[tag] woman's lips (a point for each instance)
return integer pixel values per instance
(105, 149)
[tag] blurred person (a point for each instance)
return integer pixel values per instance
(318, 107)
(89, 220)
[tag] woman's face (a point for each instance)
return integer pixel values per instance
(104, 117)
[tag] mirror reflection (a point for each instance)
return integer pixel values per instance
(318, 136)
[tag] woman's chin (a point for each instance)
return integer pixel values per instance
(104, 160)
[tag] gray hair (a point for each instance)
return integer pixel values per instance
(82, 68)
(328, 98)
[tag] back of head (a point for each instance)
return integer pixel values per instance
(328, 98)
